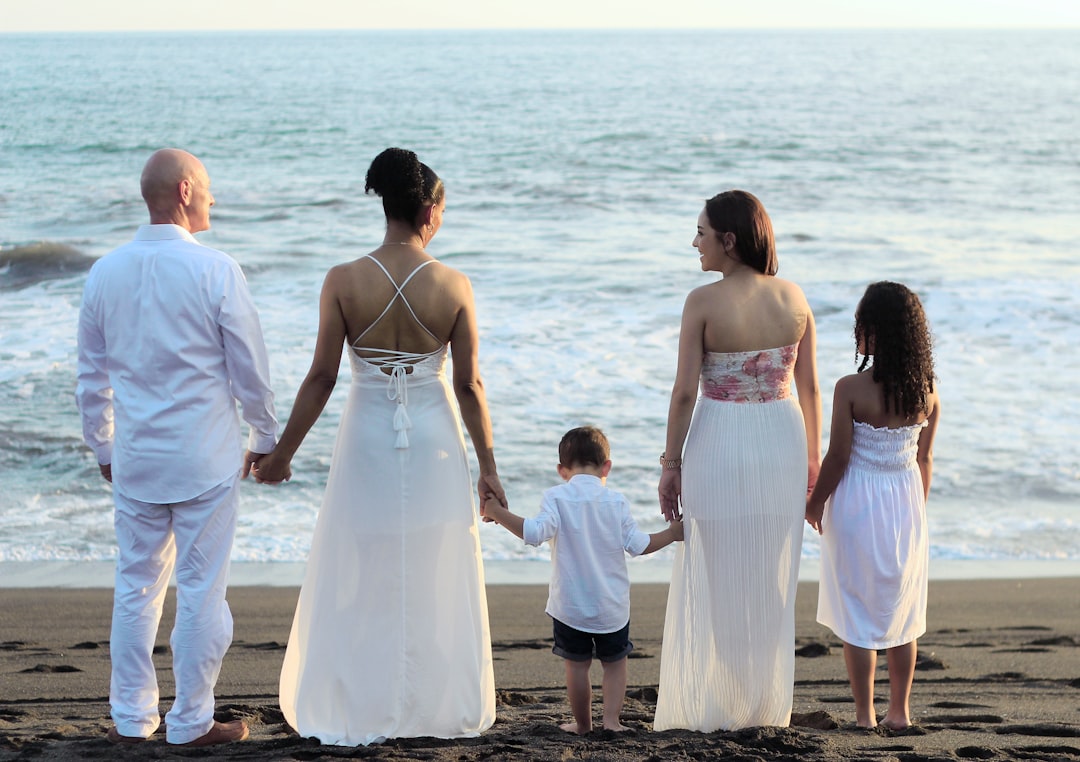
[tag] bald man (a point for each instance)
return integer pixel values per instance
(169, 341)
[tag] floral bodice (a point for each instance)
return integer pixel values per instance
(760, 375)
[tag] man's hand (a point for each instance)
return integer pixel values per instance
(250, 459)
(272, 468)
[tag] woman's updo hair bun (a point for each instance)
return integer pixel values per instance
(404, 183)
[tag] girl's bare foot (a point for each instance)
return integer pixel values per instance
(572, 727)
(619, 728)
(895, 724)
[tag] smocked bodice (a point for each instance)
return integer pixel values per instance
(884, 449)
(759, 375)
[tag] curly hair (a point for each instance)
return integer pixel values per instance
(891, 327)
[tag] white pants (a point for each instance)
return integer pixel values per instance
(195, 537)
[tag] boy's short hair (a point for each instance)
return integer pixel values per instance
(584, 446)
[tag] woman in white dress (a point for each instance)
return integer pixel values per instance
(736, 468)
(390, 637)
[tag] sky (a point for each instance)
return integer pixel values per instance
(124, 15)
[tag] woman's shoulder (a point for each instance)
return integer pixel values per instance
(791, 290)
(450, 280)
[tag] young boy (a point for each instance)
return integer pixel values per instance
(590, 527)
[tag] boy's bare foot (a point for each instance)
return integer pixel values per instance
(620, 728)
(572, 727)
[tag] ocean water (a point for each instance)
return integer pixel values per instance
(576, 164)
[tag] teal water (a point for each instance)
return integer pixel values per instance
(576, 164)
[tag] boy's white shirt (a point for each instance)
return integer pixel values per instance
(591, 530)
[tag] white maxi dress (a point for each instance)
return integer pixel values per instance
(728, 657)
(390, 637)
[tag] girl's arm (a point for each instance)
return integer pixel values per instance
(681, 408)
(806, 385)
(836, 459)
(469, 390)
(314, 390)
(925, 456)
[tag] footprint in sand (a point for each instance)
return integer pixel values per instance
(53, 668)
(270, 645)
(515, 698)
(1041, 729)
(1061, 640)
(958, 705)
(506, 645)
(929, 661)
(819, 720)
(836, 699)
(1022, 650)
(813, 650)
(954, 720)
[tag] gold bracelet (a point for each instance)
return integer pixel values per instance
(669, 464)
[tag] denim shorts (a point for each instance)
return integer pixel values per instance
(576, 645)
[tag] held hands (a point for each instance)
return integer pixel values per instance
(814, 514)
(490, 508)
(815, 510)
(489, 486)
(670, 491)
(268, 469)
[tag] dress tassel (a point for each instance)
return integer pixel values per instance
(401, 425)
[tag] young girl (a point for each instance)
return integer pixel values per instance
(874, 547)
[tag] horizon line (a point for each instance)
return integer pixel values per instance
(912, 28)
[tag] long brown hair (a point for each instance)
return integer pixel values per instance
(741, 213)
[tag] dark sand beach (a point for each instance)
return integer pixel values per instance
(998, 679)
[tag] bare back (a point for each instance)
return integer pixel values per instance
(420, 320)
(748, 311)
(868, 404)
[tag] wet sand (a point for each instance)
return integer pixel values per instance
(998, 679)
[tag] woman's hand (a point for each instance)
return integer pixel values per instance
(670, 490)
(814, 514)
(274, 468)
(489, 486)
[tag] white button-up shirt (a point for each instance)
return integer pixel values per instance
(591, 531)
(169, 340)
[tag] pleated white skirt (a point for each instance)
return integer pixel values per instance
(728, 655)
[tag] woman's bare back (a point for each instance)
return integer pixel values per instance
(420, 320)
(748, 311)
